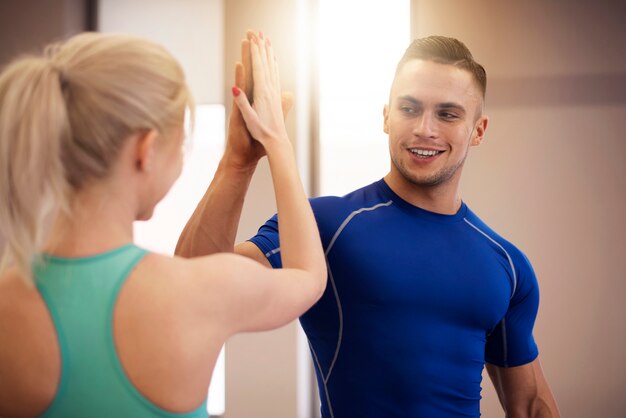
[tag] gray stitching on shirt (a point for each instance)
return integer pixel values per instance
(505, 252)
(349, 218)
(271, 253)
(338, 300)
(332, 280)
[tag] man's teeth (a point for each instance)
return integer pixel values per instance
(424, 152)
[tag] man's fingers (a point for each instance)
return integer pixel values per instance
(286, 101)
(247, 68)
(240, 76)
(239, 81)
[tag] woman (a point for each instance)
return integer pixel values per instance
(91, 138)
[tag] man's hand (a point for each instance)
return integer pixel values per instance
(242, 150)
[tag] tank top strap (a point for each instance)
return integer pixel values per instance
(81, 294)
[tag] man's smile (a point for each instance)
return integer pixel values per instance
(425, 153)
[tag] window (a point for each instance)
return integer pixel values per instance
(360, 45)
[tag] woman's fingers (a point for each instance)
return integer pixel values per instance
(271, 62)
(250, 117)
(264, 120)
(258, 67)
(263, 53)
(264, 72)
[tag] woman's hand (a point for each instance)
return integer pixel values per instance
(264, 118)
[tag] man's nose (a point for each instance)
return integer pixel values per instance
(425, 125)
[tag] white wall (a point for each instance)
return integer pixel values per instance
(192, 30)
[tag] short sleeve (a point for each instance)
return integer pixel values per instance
(329, 212)
(511, 343)
(268, 241)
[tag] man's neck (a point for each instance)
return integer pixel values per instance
(443, 198)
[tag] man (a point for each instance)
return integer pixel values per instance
(422, 294)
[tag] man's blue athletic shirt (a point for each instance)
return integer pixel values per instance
(416, 303)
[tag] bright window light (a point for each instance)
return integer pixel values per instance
(360, 45)
(160, 233)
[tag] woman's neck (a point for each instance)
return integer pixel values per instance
(100, 219)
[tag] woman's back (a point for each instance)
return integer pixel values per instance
(99, 334)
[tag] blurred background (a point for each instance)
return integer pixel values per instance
(550, 177)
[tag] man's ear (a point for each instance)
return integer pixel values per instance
(386, 119)
(479, 130)
(145, 149)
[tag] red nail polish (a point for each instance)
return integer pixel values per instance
(261, 35)
(236, 91)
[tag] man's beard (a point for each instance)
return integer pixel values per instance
(436, 179)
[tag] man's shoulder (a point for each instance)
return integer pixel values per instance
(510, 249)
(342, 206)
(332, 211)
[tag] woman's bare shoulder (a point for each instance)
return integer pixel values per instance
(16, 289)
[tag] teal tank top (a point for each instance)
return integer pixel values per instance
(80, 294)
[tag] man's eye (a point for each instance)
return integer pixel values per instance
(407, 109)
(448, 115)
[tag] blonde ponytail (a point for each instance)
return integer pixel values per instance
(65, 116)
(33, 125)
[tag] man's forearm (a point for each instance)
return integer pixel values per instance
(539, 408)
(544, 406)
(523, 391)
(213, 226)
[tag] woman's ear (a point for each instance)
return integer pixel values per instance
(145, 149)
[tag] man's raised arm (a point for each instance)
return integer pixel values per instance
(213, 225)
